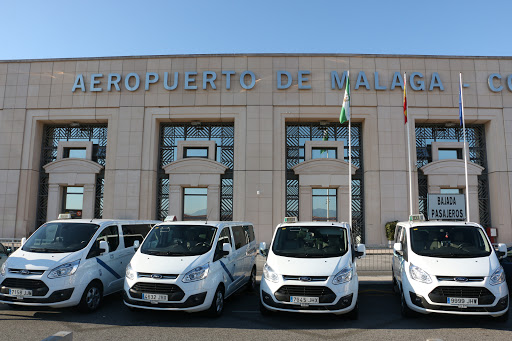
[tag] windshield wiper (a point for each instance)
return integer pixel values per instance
(37, 249)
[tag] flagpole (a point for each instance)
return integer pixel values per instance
(349, 163)
(408, 144)
(465, 148)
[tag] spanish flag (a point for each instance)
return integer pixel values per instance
(405, 97)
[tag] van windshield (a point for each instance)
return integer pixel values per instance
(179, 240)
(449, 241)
(60, 237)
(310, 241)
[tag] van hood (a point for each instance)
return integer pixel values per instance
(40, 261)
(308, 266)
(167, 264)
(463, 267)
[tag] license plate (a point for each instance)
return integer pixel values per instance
(462, 301)
(304, 300)
(154, 297)
(20, 292)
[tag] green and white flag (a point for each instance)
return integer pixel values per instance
(345, 110)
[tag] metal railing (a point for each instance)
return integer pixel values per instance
(377, 261)
(12, 243)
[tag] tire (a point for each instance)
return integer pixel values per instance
(404, 309)
(91, 298)
(251, 285)
(264, 311)
(354, 313)
(217, 306)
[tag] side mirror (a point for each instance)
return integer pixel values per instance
(360, 251)
(397, 247)
(226, 249)
(8, 250)
(23, 240)
(136, 244)
(263, 249)
(502, 250)
(103, 246)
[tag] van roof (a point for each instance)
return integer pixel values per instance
(105, 221)
(316, 223)
(437, 223)
(203, 222)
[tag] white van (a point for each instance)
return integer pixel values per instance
(71, 262)
(448, 267)
(311, 268)
(191, 266)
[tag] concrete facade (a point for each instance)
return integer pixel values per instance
(39, 92)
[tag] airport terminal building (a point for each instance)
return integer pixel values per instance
(254, 138)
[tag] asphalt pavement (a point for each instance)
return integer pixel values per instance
(379, 319)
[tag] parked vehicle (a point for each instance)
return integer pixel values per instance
(448, 267)
(4, 253)
(311, 268)
(191, 266)
(506, 263)
(71, 262)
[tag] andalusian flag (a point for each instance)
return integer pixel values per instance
(345, 110)
(325, 138)
(405, 98)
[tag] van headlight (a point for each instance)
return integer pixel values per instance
(497, 277)
(4, 266)
(130, 274)
(197, 274)
(270, 274)
(418, 274)
(343, 276)
(64, 270)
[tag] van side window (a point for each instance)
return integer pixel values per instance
(397, 234)
(131, 233)
(249, 232)
(403, 240)
(239, 236)
(224, 237)
(111, 235)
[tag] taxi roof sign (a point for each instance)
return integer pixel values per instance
(290, 219)
(64, 216)
(416, 217)
(171, 218)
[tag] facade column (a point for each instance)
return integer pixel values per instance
(305, 203)
(213, 203)
(175, 202)
(89, 201)
(343, 204)
(54, 202)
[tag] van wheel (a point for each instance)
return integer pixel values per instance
(354, 313)
(404, 308)
(91, 299)
(264, 311)
(251, 285)
(217, 306)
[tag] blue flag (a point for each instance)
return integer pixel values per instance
(460, 101)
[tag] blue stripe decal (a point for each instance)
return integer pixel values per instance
(109, 269)
(227, 271)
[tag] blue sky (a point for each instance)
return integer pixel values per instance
(92, 28)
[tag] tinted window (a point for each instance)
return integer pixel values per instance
(111, 235)
(224, 237)
(310, 241)
(60, 237)
(239, 236)
(249, 231)
(131, 233)
(179, 240)
(449, 241)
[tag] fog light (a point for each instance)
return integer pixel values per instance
(503, 302)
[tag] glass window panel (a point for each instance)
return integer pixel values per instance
(325, 153)
(451, 191)
(79, 153)
(195, 203)
(73, 198)
(445, 154)
(324, 204)
(195, 152)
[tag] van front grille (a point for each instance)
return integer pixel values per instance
(440, 294)
(38, 287)
(324, 294)
(173, 291)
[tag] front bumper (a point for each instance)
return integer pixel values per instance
(189, 297)
(425, 298)
(339, 299)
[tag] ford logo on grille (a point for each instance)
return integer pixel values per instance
(156, 276)
(461, 279)
(24, 272)
(305, 279)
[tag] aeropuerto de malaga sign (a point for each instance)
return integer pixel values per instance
(188, 80)
(446, 207)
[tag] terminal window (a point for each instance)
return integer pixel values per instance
(324, 204)
(79, 153)
(195, 203)
(201, 152)
(325, 153)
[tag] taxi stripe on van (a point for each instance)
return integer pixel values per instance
(227, 271)
(108, 268)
